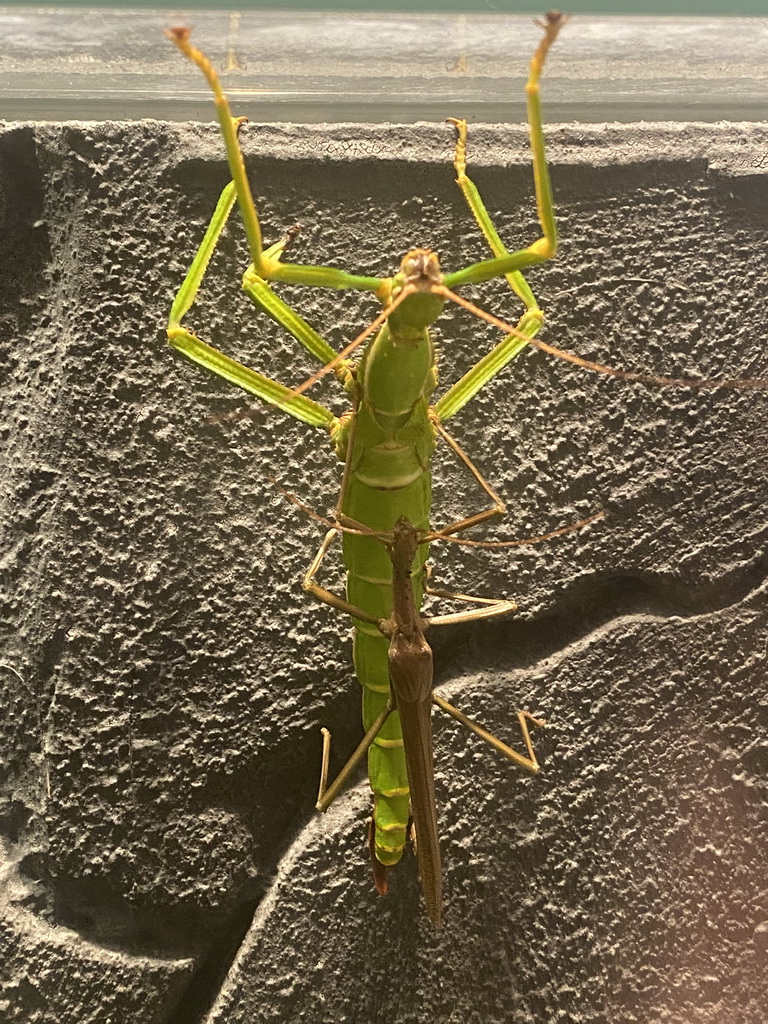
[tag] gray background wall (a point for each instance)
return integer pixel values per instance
(165, 678)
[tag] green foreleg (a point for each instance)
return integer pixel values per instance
(187, 294)
(505, 263)
(463, 390)
(546, 246)
(229, 126)
(515, 279)
(266, 264)
(265, 388)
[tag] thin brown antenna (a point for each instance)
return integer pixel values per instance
(570, 357)
(356, 343)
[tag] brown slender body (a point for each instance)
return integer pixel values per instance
(410, 675)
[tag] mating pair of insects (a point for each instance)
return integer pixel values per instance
(385, 443)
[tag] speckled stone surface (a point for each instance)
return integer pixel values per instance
(165, 678)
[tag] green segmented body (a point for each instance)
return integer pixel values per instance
(389, 478)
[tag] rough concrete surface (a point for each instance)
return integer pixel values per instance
(165, 678)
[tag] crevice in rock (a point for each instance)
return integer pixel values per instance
(25, 246)
(213, 967)
(589, 605)
(592, 603)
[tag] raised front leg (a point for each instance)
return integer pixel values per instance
(267, 264)
(543, 248)
(505, 263)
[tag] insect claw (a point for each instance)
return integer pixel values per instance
(178, 34)
(552, 19)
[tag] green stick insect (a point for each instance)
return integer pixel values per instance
(386, 443)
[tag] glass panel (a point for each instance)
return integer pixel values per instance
(61, 63)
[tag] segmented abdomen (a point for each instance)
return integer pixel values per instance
(378, 500)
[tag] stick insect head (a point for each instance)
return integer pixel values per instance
(420, 272)
(421, 268)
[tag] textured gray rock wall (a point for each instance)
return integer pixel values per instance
(165, 678)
